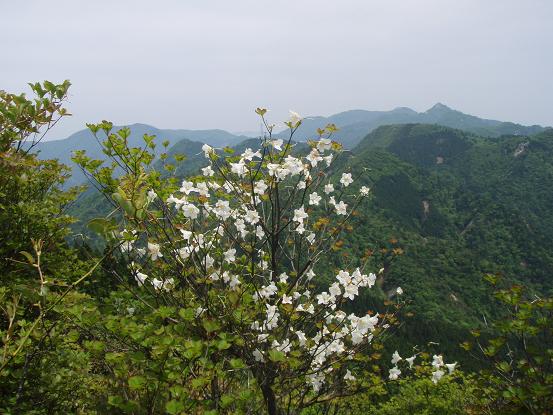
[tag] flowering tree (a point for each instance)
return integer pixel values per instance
(222, 269)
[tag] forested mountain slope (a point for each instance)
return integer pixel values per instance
(460, 206)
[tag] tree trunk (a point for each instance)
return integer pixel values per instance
(270, 400)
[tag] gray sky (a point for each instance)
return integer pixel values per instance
(207, 64)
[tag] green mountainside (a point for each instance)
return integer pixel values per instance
(460, 206)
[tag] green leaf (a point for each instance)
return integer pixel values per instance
(211, 325)
(187, 314)
(28, 256)
(277, 356)
(223, 345)
(174, 407)
(137, 382)
(101, 226)
(237, 363)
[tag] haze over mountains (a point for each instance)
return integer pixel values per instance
(354, 125)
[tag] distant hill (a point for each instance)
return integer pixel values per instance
(354, 125)
(84, 140)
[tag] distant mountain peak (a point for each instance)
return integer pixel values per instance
(439, 107)
(405, 110)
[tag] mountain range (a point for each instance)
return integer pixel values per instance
(354, 125)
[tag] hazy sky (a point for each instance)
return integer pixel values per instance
(208, 64)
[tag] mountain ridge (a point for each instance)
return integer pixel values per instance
(353, 124)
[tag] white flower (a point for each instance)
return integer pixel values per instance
(251, 216)
(208, 171)
(293, 165)
(314, 199)
(209, 261)
(346, 179)
(249, 154)
(394, 373)
(190, 211)
(268, 291)
(272, 168)
(127, 246)
(437, 375)
(234, 281)
(324, 144)
(349, 376)
(140, 278)
(395, 358)
(159, 284)
(311, 237)
(314, 157)
(399, 291)
(207, 150)
(229, 255)
(301, 338)
(203, 189)
(335, 290)
(186, 234)
(299, 215)
(239, 168)
(324, 298)
(301, 185)
(277, 144)
(351, 291)
(185, 252)
(329, 188)
(295, 118)
(451, 367)
(222, 209)
(258, 356)
(283, 277)
(411, 360)
(153, 250)
(151, 196)
(260, 187)
(187, 187)
(272, 317)
(437, 361)
(344, 278)
(364, 190)
(286, 299)
(341, 208)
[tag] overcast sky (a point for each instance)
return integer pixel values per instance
(208, 63)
